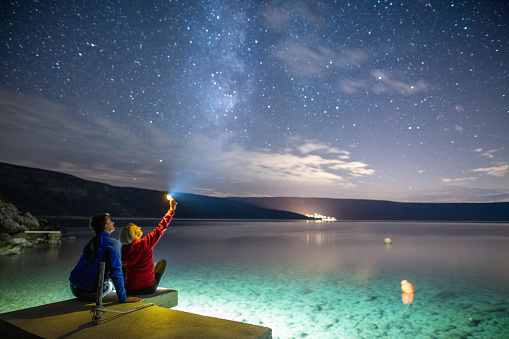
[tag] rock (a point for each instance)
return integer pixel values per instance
(29, 221)
(14, 224)
(21, 241)
(54, 238)
(9, 249)
(10, 226)
(4, 237)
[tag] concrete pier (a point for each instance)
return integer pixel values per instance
(73, 319)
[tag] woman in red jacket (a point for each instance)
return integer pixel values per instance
(141, 277)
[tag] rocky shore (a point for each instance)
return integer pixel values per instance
(14, 224)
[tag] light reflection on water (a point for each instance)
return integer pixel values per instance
(308, 279)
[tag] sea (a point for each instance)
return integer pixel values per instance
(307, 279)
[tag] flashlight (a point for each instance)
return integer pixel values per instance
(173, 203)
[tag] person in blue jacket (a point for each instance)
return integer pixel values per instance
(102, 247)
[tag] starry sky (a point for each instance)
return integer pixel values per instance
(391, 100)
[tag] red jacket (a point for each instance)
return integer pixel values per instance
(138, 259)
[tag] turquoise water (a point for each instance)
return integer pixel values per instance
(309, 280)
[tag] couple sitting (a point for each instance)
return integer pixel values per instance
(133, 260)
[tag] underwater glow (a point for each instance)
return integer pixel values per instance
(407, 298)
(275, 274)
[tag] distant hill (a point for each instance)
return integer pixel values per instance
(46, 193)
(49, 193)
(351, 209)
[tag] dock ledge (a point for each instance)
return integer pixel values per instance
(154, 319)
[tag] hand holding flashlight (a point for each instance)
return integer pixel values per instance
(173, 203)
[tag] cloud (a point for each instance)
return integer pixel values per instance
(501, 196)
(497, 171)
(304, 55)
(309, 147)
(318, 60)
(38, 133)
(458, 181)
(487, 154)
(381, 82)
(456, 194)
(386, 82)
(353, 86)
(291, 166)
(357, 169)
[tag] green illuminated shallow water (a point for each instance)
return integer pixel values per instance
(310, 280)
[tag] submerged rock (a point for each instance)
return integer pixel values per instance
(14, 224)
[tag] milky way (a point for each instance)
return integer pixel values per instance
(395, 100)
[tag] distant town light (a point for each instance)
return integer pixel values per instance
(321, 217)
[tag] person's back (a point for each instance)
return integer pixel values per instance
(84, 274)
(141, 277)
(102, 247)
(138, 261)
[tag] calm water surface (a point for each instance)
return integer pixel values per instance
(308, 279)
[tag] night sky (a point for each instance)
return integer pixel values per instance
(393, 100)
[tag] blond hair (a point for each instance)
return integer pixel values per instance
(128, 234)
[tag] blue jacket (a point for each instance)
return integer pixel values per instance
(84, 274)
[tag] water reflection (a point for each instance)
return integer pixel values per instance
(319, 238)
(299, 277)
(407, 298)
(52, 250)
(479, 251)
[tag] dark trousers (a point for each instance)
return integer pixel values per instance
(91, 295)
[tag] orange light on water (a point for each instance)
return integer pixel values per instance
(407, 287)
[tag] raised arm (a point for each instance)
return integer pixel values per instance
(153, 237)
